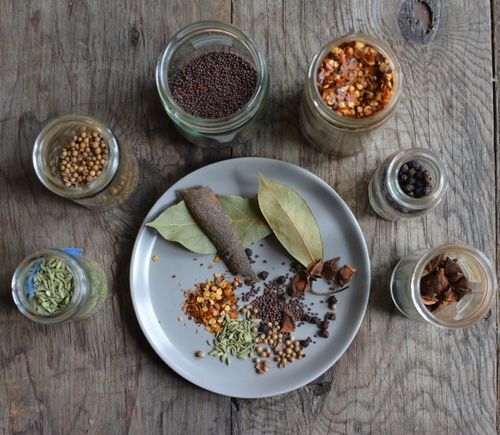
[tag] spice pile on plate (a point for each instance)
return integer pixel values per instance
(208, 303)
(263, 328)
(273, 310)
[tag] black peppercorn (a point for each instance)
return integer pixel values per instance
(414, 179)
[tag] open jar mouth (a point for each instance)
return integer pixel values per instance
(53, 137)
(432, 163)
(345, 122)
(471, 308)
(23, 274)
(205, 35)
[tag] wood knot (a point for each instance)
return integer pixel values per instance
(135, 35)
(418, 20)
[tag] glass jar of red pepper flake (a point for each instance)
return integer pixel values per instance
(353, 86)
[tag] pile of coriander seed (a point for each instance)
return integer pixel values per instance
(282, 347)
(83, 159)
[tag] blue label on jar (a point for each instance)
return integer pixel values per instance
(75, 252)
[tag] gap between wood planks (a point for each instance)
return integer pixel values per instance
(496, 138)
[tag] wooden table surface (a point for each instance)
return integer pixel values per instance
(100, 376)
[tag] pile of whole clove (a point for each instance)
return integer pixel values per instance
(444, 284)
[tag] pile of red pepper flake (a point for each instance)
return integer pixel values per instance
(356, 80)
(210, 300)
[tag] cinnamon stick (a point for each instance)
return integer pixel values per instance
(207, 211)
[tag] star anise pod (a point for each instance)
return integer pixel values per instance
(299, 285)
(433, 264)
(453, 270)
(303, 279)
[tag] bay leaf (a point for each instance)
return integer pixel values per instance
(246, 218)
(291, 220)
(177, 225)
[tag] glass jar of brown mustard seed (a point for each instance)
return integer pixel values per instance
(476, 267)
(103, 182)
(320, 120)
(218, 43)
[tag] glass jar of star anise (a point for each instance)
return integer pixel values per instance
(353, 86)
(451, 286)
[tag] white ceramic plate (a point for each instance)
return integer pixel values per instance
(157, 287)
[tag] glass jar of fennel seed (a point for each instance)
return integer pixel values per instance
(115, 180)
(53, 286)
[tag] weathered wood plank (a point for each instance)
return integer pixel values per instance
(100, 376)
(398, 376)
(97, 58)
(496, 67)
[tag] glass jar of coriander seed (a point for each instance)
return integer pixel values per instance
(407, 278)
(213, 81)
(59, 285)
(408, 184)
(352, 88)
(79, 158)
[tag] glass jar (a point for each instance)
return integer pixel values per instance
(193, 41)
(405, 287)
(119, 176)
(333, 133)
(388, 198)
(90, 287)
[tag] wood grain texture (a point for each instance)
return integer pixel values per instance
(97, 57)
(496, 67)
(398, 376)
(91, 57)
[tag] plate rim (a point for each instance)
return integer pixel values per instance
(357, 228)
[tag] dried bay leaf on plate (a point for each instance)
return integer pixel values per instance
(291, 220)
(177, 225)
(246, 218)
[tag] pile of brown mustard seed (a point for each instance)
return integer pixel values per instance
(83, 159)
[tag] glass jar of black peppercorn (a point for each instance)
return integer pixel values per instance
(213, 81)
(408, 184)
